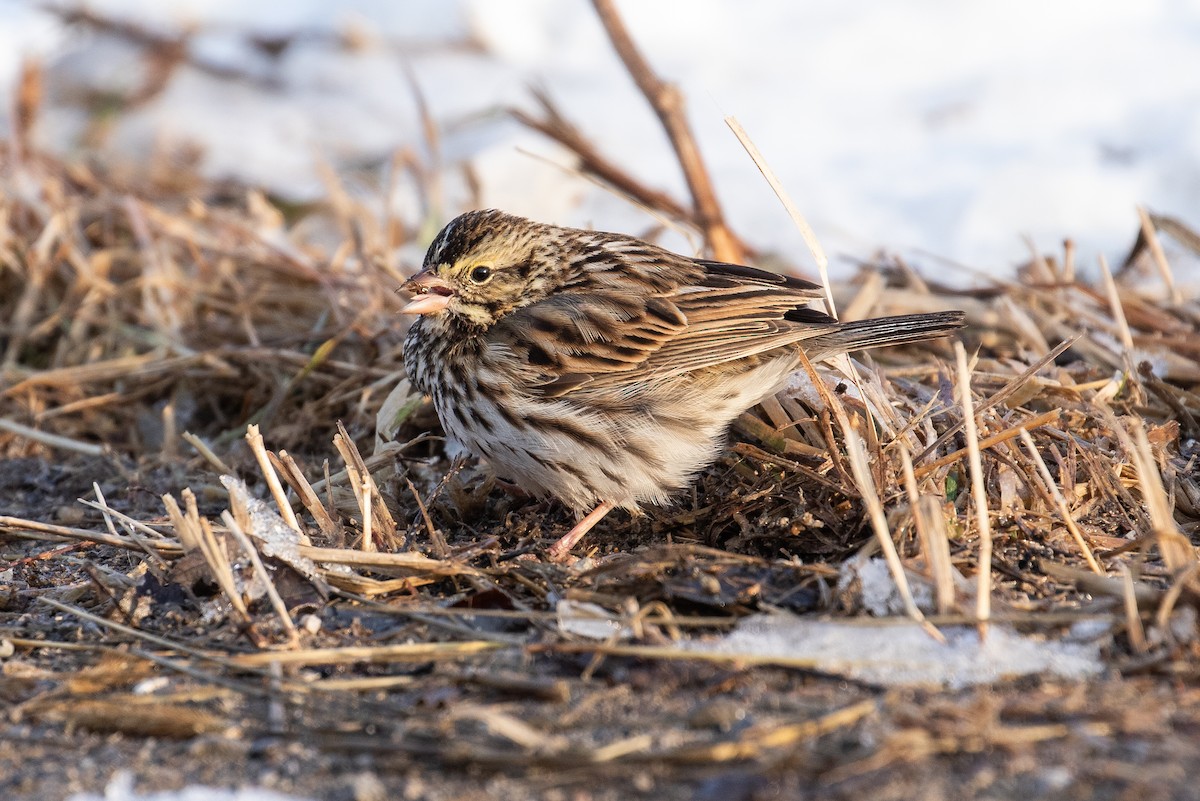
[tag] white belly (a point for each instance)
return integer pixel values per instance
(570, 449)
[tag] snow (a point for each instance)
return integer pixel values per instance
(900, 653)
(277, 539)
(921, 127)
(121, 788)
(877, 592)
(589, 621)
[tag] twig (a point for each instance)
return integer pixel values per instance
(26, 105)
(1137, 632)
(1060, 502)
(667, 102)
(363, 495)
(359, 475)
(435, 536)
(12, 526)
(161, 642)
(405, 560)
(1122, 323)
(102, 505)
(1032, 423)
(983, 597)
(401, 652)
(1177, 551)
(255, 440)
(1159, 257)
(308, 496)
(810, 238)
(1007, 391)
(561, 130)
(1162, 617)
(857, 455)
(51, 440)
(196, 534)
(931, 531)
(206, 452)
(260, 569)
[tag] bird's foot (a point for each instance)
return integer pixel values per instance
(561, 550)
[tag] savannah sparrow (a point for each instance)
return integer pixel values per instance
(602, 370)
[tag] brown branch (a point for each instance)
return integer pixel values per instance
(556, 127)
(553, 125)
(27, 103)
(668, 104)
(163, 52)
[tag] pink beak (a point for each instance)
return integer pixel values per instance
(432, 293)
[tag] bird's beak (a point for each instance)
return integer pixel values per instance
(432, 293)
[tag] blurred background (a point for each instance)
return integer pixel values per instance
(943, 132)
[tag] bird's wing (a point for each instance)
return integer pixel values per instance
(613, 334)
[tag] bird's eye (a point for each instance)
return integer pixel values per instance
(481, 274)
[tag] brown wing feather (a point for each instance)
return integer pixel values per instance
(711, 314)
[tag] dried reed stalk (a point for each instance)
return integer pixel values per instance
(668, 103)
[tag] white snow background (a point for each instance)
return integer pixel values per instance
(919, 126)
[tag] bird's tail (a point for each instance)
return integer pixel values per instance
(882, 331)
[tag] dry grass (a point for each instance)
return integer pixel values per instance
(131, 319)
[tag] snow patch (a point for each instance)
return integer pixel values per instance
(901, 653)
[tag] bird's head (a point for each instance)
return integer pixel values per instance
(482, 266)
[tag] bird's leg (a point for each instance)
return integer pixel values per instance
(560, 550)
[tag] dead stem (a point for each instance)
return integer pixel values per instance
(668, 103)
(983, 596)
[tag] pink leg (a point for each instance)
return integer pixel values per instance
(559, 551)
